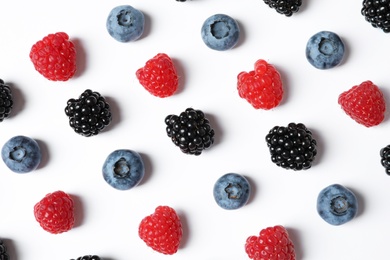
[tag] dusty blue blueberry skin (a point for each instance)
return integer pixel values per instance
(325, 50)
(123, 169)
(231, 191)
(220, 32)
(125, 23)
(337, 205)
(21, 154)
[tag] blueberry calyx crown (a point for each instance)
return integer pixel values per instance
(121, 168)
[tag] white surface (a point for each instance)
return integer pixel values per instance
(107, 219)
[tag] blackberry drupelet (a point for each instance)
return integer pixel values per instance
(385, 158)
(292, 147)
(89, 257)
(377, 12)
(6, 101)
(89, 114)
(286, 7)
(3, 251)
(190, 131)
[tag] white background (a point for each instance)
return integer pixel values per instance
(107, 219)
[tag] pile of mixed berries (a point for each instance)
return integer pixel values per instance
(291, 147)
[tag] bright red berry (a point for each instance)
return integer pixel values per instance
(273, 243)
(261, 87)
(54, 57)
(55, 212)
(364, 103)
(162, 230)
(159, 76)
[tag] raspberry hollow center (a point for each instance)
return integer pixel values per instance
(339, 205)
(125, 18)
(121, 168)
(220, 29)
(18, 154)
(326, 47)
(234, 191)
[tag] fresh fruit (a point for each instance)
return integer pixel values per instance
(261, 87)
(273, 243)
(159, 76)
(54, 57)
(337, 205)
(220, 32)
(89, 114)
(285, 7)
(55, 212)
(162, 230)
(125, 23)
(21, 154)
(292, 147)
(3, 251)
(190, 131)
(89, 257)
(123, 169)
(364, 103)
(231, 191)
(385, 158)
(325, 50)
(377, 13)
(6, 100)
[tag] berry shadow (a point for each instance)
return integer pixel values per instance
(11, 249)
(147, 26)
(386, 95)
(242, 37)
(253, 189)
(360, 201)
(285, 81)
(303, 7)
(320, 146)
(148, 168)
(81, 57)
(181, 75)
(185, 227)
(295, 237)
(79, 213)
(115, 112)
(347, 51)
(18, 100)
(44, 152)
(218, 133)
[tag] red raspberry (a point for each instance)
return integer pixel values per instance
(364, 103)
(261, 87)
(54, 57)
(159, 76)
(272, 243)
(55, 212)
(162, 230)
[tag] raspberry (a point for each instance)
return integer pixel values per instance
(364, 103)
(272, 243)
(54, 57)
(6, 100)
(159, 76)
(261, 87)
(55, 212)
(3, 251)
(286, 7)
(89, 114)
(377, 13)
(162, 230)
(385, 158)
(292, 147)
(88, 257)
(190, 131)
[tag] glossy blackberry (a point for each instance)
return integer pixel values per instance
(88, 257)
(3, 251)
(286, 7)
(6, 101)
(385, 158)
(89, 114)
(190, 131)
(292, 147)
(377, 12)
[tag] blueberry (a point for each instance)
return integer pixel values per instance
(231, 191)
(125, 23)
(21, 154)
(123, 169)
(220, 32)
(325, 50)
(337, 204)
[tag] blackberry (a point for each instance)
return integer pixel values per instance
(292, 147)
(190, 131)
(286, 7)
(88, 257)
(3, 251)
(89, 114)
(6, 101)
(377, 12)
(385, 158)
